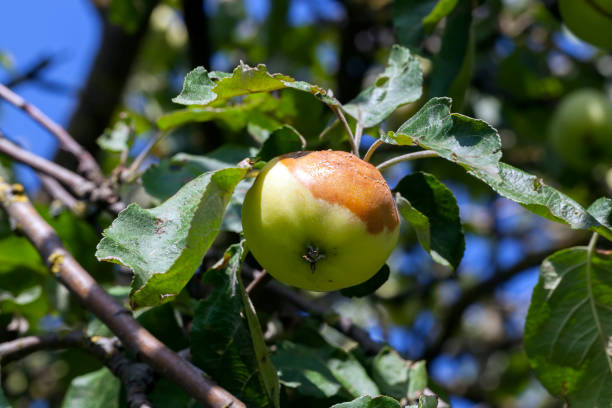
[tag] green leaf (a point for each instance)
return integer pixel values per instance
(601, 210)
(162, 322)
(463, 140)
(163, 180)
(129, 14)
(569, 327)
(531, 192)
(397, 377)
(441, 10)
(226, 339)
(370, 402)
(167, 394)
(283, 140)
(409, 17)
(200, 89)
(98, 389)
(400, 83)
(428, 401)
(3, 402)
(321, 372)
(165, 245)
(452, 66)
(235, 117)
(368, 287)
(118, 138)
(432, 209)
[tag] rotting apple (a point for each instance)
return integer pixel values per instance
(581, 129)
(321, 220)
(590, 20)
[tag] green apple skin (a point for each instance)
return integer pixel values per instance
(589, 20)
(581, 129)
(294, 207)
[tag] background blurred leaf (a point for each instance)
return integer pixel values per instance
(98, 389)
(226, 339)
(569, 327)
(283, 140)
(165, 245)
(439, 232)
(452, 66)
(400, 83)
(397, 377)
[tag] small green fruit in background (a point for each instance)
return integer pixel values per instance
(581, 129)
(320, 221)
(589, 20)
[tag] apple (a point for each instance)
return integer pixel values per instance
(590, 20)
(581, 129)
(320, 220)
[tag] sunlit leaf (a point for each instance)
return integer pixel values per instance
(118, 138)
(601, 210)
(441, 10)
(432, 209)
(165, 245)
(531, 192)
(568, 331)
(463, 140)
(397, 377)
(226, 339)
(400, 83)
(98, 389)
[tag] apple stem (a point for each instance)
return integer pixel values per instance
(358, 132)
(338, 111)
(372, 149)
(405, 157)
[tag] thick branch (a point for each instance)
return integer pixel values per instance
(87, 164)
(120, 321)
(136, 377)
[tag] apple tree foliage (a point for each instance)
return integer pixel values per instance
(193, 205)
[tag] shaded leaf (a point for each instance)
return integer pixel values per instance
(397, 377)
(98, 389)
(408, 19)
(370, 402)
(452, 66)
(283, 140)
(3, 402)
(165, 245)
(162, 322)
(531, 192)
(441, 10)
(368, 287)
(428, 401)
(322, 372)
(432, 209)
(167, 394)
(569, 327)
(400, 83)
(226, 339)
(463, 140)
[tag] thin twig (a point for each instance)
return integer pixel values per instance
(259, 277)
(136, 377)
(130, 173)
(405, 157)
(79, 185)
(358, 133)
(58, 192)
(372, 149)
(338, 111)
(325, 131)
(87, 164)
(133, 336)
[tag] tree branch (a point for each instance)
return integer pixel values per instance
(58, 192)
(133, 336)
(87, 164)
(136, 377)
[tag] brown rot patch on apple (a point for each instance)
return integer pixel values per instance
(312, 255)
(342, 178)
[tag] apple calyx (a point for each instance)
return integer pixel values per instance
(312, 256)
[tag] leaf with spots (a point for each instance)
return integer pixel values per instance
(226, 338)
(165, 245)
(568, 329)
